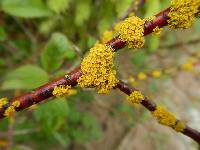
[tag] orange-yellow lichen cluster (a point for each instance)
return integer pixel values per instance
(107, 36)
(11, 109)
(166, 118)
(3, 101)
(182, 13)
(180, 126)
(136, 97)
(150, 19)
(97, 69)
(131, 30)
(157, 31)
(63, 90)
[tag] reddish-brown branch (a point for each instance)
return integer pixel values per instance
(151, 106)
(45, 91)
(160, 21)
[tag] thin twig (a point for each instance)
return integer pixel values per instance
(151, 106)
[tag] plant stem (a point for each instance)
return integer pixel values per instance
(151, 106)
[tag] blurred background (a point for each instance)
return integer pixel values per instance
(41, 40)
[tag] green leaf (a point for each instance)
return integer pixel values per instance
(63, 141)
(25, 77)
(75, 115)
(46, 26)
(70, 54)
(58, 6)
(53, 55)
(164, 4)
(82, 12)
(91, 41)
(26, 8)
(52, 115)
(85, 129)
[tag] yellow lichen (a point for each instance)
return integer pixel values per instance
(180, 126)
(182, 13)
(63, 90)
(3, 101)
(150, 19)
(164, 117)
(72, 92)
(11, 109)
(97, 69)
(131, 30)
(107, 36)
(157, 31)
(142, 76)
(16, 103)
(136, 97)
(156, 73)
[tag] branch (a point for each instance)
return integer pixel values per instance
(160, 21)
(44, 92)
(151, 106)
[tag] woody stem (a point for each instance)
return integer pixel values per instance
(151, 106)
